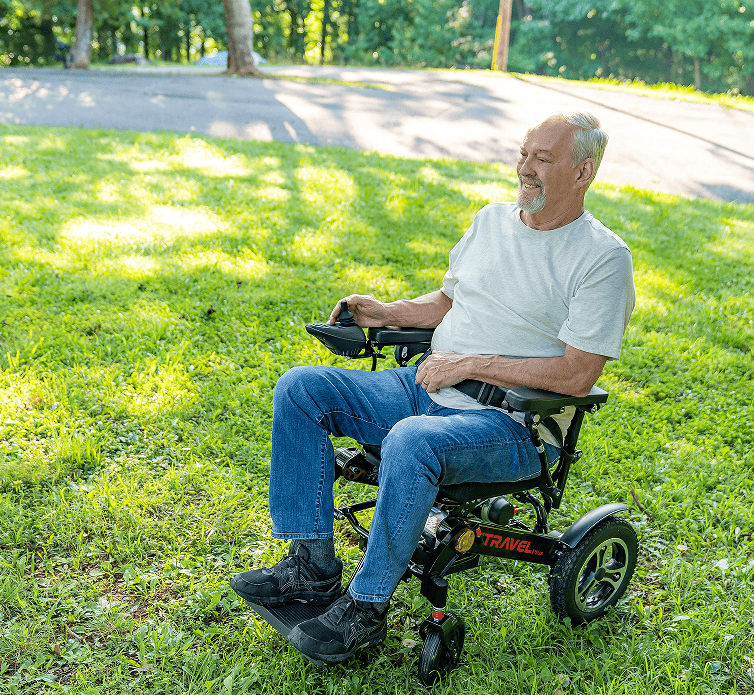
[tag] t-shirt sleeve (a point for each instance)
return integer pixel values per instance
(450, 280)
(599, 311)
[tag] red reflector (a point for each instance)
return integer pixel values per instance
(437, 615)
(517, 510)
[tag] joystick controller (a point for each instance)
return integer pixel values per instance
(345, 318)
(345, 338)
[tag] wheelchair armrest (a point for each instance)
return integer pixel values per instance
(390, 335)
(536, 400)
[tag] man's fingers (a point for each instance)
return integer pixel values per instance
(439, 370)
(423, 370)
(336, 311)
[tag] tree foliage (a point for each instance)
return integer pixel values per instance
(709, 43)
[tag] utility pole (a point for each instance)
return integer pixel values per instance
(502, 36)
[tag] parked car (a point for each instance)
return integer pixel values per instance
(221, 58)
(129, 58)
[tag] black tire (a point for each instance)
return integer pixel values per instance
(590, 578)
(436, 660)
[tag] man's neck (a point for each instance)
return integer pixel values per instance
(545, 220)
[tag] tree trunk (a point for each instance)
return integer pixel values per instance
(297, 34)
(188, 39)
(145, 29)
(48, 36)
(502, 36)
(697, 75)
(81, 55)
(353, 23)
(669, 62)
(325, 24)
(524, 11)
(240, 30)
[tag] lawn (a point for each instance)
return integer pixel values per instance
(155, 286)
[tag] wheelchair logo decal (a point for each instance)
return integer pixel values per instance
(518, 545)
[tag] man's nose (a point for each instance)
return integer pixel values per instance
(524, 166)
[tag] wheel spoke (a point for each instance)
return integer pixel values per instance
(600, 553)
(602, 573)
(615, 577)
(584, 591)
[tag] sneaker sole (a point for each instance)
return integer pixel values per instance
(333, 659)
(313, 599)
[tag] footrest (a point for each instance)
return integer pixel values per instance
(284, 618)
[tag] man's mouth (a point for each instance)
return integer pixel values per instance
(531, 195)
(530, 184)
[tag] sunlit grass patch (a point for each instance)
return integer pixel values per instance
(12, 172)
(159, 225)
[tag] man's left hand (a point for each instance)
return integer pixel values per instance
(444, 368)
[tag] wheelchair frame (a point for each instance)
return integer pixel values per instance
(591, 563)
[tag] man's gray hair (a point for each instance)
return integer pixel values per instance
(589, 140)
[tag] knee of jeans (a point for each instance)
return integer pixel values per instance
(292, 381)
(406, 450)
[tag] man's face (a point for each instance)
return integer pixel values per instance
(546, 176)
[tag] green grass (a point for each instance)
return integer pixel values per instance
(662, 90)
(328, 81)
(155, 286)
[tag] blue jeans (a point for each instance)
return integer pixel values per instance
(423, 444)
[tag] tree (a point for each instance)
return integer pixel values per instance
(81, 53)
(240, 37)
(718, 37)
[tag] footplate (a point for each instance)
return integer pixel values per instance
(284, 618)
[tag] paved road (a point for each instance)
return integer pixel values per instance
(696, 150)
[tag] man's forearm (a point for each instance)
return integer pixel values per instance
(572, 374)
(556, 374)
(426, 311)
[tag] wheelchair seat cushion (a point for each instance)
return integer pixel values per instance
(468, 492)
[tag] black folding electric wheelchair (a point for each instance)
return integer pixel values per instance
(591, 562)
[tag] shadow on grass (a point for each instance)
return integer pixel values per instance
(127, 255)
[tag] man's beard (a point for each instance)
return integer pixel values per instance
(535, 204)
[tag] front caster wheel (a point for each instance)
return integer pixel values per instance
(439, 657)
(592, 577)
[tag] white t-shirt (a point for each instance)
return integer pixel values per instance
(522, 292)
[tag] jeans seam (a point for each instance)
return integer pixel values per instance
(400, 523)
(476, 447)
(351, 415)
(321, 483)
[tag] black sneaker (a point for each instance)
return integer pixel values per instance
(294, 578)
(347, 625)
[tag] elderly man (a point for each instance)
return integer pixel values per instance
(538, 293)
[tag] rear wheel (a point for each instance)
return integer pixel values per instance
(590, 578)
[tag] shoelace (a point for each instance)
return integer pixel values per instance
(344, 607)
(287, 563)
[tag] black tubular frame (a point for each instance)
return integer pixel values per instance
(433, 564)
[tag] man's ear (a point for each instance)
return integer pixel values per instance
(585, 172)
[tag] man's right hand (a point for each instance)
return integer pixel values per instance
(367, 311)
